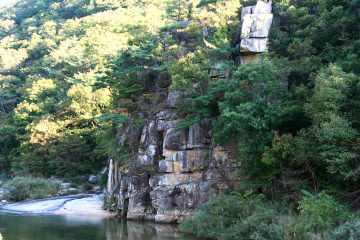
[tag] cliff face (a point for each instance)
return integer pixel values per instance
(175, 171)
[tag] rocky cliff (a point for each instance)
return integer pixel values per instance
(175, 171)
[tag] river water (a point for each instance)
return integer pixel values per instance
(54, 227)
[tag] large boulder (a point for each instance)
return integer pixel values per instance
(257, 45)
(255, 26)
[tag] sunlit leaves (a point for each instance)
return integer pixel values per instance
(11, 58)
(44, 131)
(25, 109)
(86, 103)
(40, 87)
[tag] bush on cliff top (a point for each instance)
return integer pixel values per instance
(24, 188)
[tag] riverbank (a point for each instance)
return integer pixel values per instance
(79, 205)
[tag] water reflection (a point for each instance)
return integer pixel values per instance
(20, 227)
(137, 230)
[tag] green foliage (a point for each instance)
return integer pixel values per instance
(189, 70)
(114, 118)
(252, 216)
(311, 34)
(53, 99)
(327, 149)
(319, 213)
(179, 10)
(130, 74)
(25, 188)
(348, 231)
(252, 102)
(205, 2)
(250, 107)
(69, 71)
(236, 216)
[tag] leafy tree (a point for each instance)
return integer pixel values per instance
(318, 213)
(179, 10)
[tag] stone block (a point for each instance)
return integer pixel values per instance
(256, 45)
(256, 25)
(166, 115)
(144, 160)
(154, 181)
(191, 160)
(246, 10)
(261, 26)
(166, 166)
(169, 154)
(174, 98)
(174, 179)
(248, 58)
(175, 140)
(137, 213)
(196, 177)
(199, 135)
(149, 134)
(165, 125)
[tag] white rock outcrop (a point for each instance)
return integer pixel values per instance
(255, 26)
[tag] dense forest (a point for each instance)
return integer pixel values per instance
(69, 68)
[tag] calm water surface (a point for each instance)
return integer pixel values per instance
(33, 227)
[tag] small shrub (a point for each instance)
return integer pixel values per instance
(319, 214)
(236, 217)
(87, 186)
(24, 188)
(349, 230)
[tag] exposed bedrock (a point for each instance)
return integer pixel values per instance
(175, 171)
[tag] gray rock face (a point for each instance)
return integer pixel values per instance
(174, 98)
(255, 26)
(175, 172)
